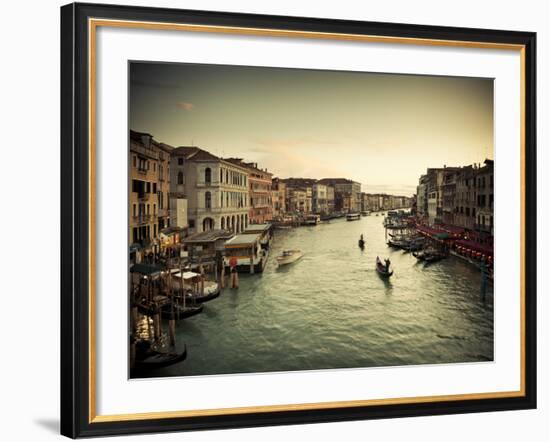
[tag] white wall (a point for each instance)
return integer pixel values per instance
(29, 83)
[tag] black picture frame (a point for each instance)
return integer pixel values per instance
(75, 221)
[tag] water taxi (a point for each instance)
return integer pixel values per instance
(353, 216)
(289, 256)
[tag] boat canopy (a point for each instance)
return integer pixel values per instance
(257, 228)
(243, 240)
(186, 275)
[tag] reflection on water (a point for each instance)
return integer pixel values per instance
(331, 309)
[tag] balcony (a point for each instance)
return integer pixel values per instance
(143, 196)
(141, 219)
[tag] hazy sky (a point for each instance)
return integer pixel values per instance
(381, 130)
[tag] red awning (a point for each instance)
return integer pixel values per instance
(476, 247)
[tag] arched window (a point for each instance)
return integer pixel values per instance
(208, 175)
(223, 223)
(208, 200)
(221, 175)
(180, 177)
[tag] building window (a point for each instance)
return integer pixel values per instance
(208, 175)
(180, 177)
(135, 161)
(154, 187)
(208, 200)
(134, 210)
(221, 175)
(191, 223)
(180, 161)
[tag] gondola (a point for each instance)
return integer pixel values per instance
(381, 269)
(148, 358)
(361, 243)
(176, 311)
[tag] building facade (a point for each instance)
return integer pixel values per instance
(347, 194)
(216, 190)
(320, 199)
(149, 188)
(259, 192)
(278, 197)
(485, 197)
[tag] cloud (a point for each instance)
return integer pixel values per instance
(185, 106)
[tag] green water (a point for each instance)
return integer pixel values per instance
(332, 310)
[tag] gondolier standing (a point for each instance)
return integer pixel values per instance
(233, 270)
(387, 261)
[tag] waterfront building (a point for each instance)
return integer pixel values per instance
(422, 197)
(485, 197)
(465, 200)
(278, 197)
(330, 199)
(216, 190)
(319, 202)
(149, 186)
(347, 194)
(435, 196)
(448, 191)
(297, 200)
(259, 192)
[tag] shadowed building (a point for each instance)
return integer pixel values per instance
(149, 187)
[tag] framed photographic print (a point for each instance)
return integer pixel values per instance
(278, 220)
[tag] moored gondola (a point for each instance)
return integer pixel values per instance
(176, 311)
(149, 358)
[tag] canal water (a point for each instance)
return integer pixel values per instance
(332, 310)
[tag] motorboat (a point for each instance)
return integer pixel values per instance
(356, 216)
(289, 256)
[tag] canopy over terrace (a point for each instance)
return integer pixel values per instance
(433, 232)
(472, 246)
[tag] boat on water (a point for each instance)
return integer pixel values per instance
(356, 216)
(149, 358)
(429, 255)
(361, 242)
(178, 311)
(382, 269)
(365, 212)
(289, 256)
(312, 220)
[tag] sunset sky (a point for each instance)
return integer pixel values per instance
(382, 130)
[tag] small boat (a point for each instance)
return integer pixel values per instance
(381, 269)
(365, 212)
(289, 256)
(312, 220)
(428, 255)
(361, 243)
(147, 357)
(353, 216)
(177, 311)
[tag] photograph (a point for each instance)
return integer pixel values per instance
(284, 219)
